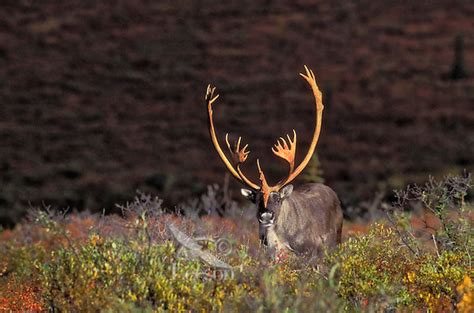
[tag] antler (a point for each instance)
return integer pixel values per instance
(283, 149)
(286, 152)
(239, 155)
(318, 96)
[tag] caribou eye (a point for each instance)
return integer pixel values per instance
(275, 197)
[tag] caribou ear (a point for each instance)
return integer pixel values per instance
(286, 191)
(247, 193)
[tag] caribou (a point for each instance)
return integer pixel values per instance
(304, 220)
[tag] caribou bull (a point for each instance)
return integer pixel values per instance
(302, 221)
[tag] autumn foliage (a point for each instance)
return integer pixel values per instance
(418, 258)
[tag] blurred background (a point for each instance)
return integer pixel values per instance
(101, 98)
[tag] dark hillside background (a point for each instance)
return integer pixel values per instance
(100, 98)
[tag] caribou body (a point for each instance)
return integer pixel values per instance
(302, 221)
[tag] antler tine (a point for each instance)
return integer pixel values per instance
(209, 94)
(309, 74)
(241, 154)
(262, 178)
(294, 137)
(265, 188)
(286, 151)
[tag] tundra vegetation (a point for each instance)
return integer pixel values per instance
(417, 258)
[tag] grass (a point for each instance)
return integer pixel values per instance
(131, 263)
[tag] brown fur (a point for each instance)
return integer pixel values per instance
(308, 220)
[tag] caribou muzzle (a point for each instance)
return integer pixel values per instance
(266, 219)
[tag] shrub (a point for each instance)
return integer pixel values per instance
(396, 266)
(379, 269)
(106, 274)
(18, 295)
(130, 263)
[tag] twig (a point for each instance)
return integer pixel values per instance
(435, 244)
(402, 237)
